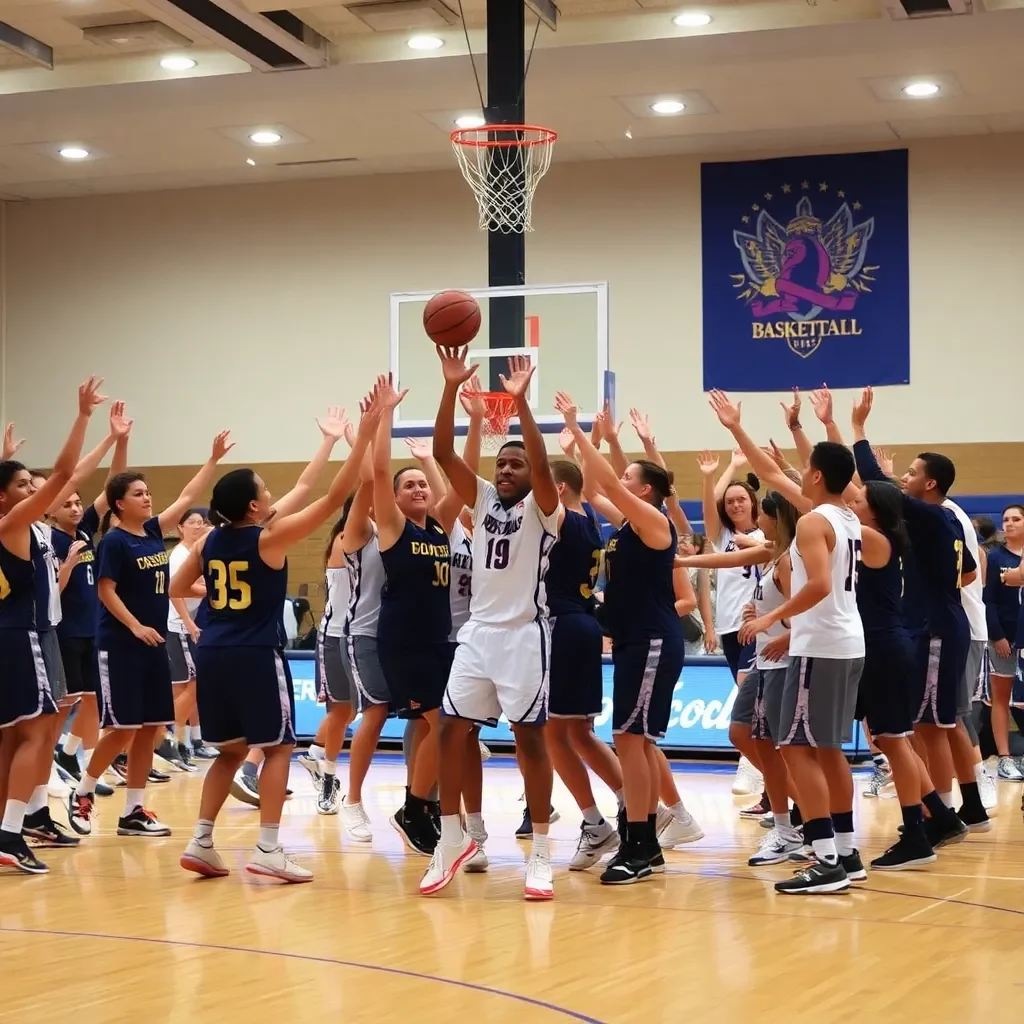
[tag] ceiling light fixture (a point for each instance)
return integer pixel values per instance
(177, 63)
(692, 19)
(265, 138)
(425, 43)
(920, 90)
(668, 107)
(74, 153)
(470, 121)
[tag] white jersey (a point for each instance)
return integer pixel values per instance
(768, 597)
(510, 557)
(366, 580)
(336, 607)
(833, 627)
(461, 589)
(971, 595)
(175, 562)
(52, 563)
(735, 586)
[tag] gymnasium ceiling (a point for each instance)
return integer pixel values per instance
(768, 75)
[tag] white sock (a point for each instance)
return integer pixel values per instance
(317, 752)
(540, 845)
(197, 735)
(329, 767)
(592, 816)
(71, 744)
(133, 798)
(678, 811)
(947, 798)
(203, 834)
(268, 841)
(14, 816)
(825, 850)
(181, 735)
(845, 844)
(475, 824)
(783, 820)
(40, 798)
(451, 830)
(620, 799)
(87, 787)
(87, 756)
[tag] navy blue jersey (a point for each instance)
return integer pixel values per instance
(78, 600)
(18, 588)
(639, 597)
(244, 596)
(415, 606)
(574, 565)
(915, 606)
(880, 599)
(138, 567)
(1019, 641)
(1002, 603)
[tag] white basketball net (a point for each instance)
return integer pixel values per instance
(503, 165)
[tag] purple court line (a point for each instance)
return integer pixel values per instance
(572, 1014)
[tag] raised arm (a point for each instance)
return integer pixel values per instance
(449, 509)
(10, 445)
(333, 428)
(421, 452)
(119, 427)
(517, 384)
(390, 521)
(821, 399)
(456, 373)
(610, 432)
(198, 485)
(867, 465)
(736, 459)
(118, 464)
(642, 426)
(358, 527)
(707, 462)
(800, 439)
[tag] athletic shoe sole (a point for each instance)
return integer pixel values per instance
(160, 834)
(977, 827)
(239, 792)
(817, 890)
(200, 867)
(13, 862)
(437, 886)
(907, 865)
(537, 895)
(255, 869)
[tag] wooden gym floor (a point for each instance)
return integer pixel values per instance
(117, 932)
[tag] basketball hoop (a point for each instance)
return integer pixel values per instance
(503, 164)
(500, 407)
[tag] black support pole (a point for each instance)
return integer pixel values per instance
(506, 253)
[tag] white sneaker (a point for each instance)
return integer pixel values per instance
(594, 842)
(445, 864)
(748, 781)
(776, 847)
(679, 831)
(1008, 770)
(663, 819)
(986, 789)
(276, 865)
(538, 879)
(57, 787)
(356, 822)
(327, 795)
(881, 784)
(314, 766)
(203, 860)
(478, 862)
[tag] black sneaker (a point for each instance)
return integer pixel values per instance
(205, 753)
(853, 866)
(976, 821)
(185, 755)
(44, 831)
(119, 766)
(155, 776)
(815, 879)
(102, 789)
(626, 867)
(910, 851)
(525, 830)
(418, 834)
(14, 853)
(435, 816)
(656, 858)
(620, 825)
(141, 823)
(68, 762)
(168, 751)
(945, 832)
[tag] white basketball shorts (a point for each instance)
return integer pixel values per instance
(500, 669)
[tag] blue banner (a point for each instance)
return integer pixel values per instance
(701, 706)
(806, 272)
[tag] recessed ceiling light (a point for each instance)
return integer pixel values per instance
(470, 121)
(73, 153)
(265, 138)
(249, 160)
(668, 107)
(425, 43)
(918, 90)
(177, 63)
(692, 19)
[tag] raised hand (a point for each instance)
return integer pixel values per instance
(708, 462)
(609, 429)
(335, 425)
(792, 411)
(474, 406)
(520, 370)
(567, 407)
(821, 399)
(418, 448)
(221, 446)
(120, 427)
(10, 445)
(642, 426)
(737, 458)
(727, 413)
(453, 364)
(862, 409)
(567, 442)
(387, 395)
(89, 397)
(884, 459)
(775, 452)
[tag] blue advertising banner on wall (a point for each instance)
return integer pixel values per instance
(806, 272)
(701, 706)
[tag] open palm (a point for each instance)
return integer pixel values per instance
(520, 370)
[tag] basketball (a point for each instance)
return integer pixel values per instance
(451, 319)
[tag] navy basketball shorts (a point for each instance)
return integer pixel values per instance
(135, 686)
(746, 697)
(78, 654)
(739, 656)
(819, 699)
(181, 655)
(245, 696)
(771, 684)
(646, 673)
(939, 678)
(334, 684)
(24, 684)
(416, 674)
(887, 698)
(576, 687)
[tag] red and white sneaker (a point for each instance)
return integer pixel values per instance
(203, 860)
(80, 810)
(447, 860)
(538, 879)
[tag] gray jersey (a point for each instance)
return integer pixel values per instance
(52, 563)
(366, 580)
(336, 608)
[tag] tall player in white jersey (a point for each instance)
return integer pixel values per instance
(501, 664)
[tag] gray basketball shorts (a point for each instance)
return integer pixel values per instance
(371, 687)
(334, 683)
(771, 683)
(746, 698)
(54, 664)
(973, 675)
(819, 700)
